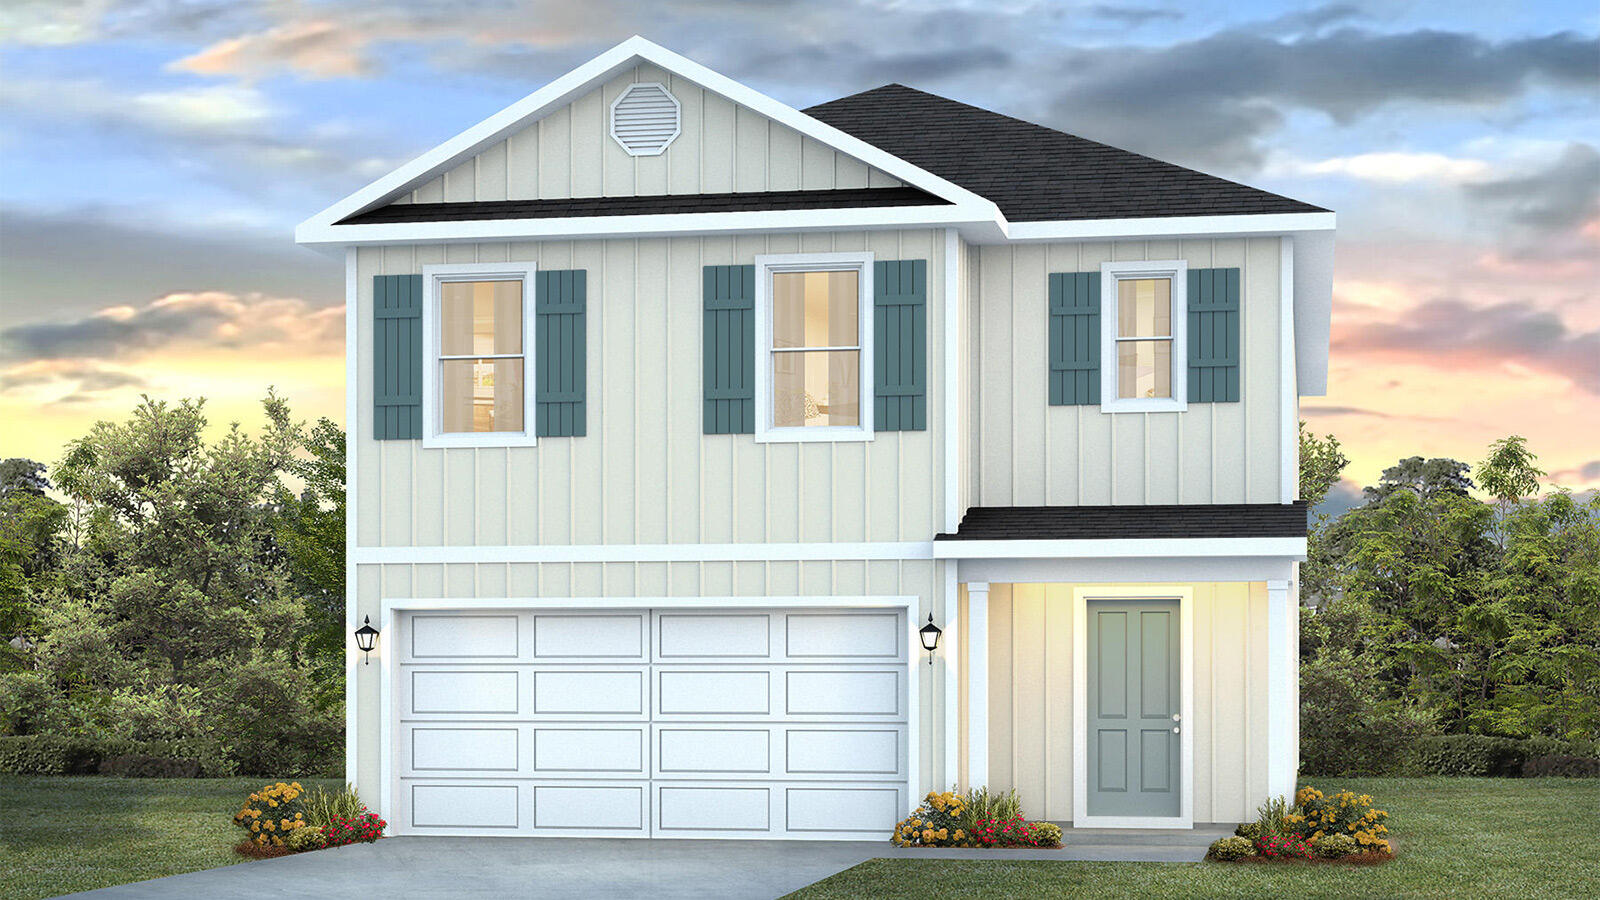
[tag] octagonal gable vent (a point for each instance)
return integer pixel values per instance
(645, 119)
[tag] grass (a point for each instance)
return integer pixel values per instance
(60, 835)
(1456, 838)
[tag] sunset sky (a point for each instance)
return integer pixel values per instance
(155, 156)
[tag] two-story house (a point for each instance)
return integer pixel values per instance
(676, 415)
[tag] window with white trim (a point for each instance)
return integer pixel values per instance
(814, 346)
(1143, 341)
(477, 355)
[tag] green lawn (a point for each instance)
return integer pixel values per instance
(1456, 837)
(59, 835)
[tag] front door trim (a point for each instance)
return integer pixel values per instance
(1081, 596)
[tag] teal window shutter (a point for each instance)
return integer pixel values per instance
(1074, 338)
(900, 345)
(560, 352)
(730, 350)
(1213, 335)
(397, 357)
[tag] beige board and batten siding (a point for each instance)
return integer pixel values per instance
(723, 148)
(1029, 453)
(645, 473)
(720, 583)
(1031, 698)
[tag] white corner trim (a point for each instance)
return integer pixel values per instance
(433, 277)
(1289, 433)
(1176, 271)
(621, 553)
(1184, 594)
(1119, 548)
(766, 266)
(651, 149)
(949, 609)
(977, 684)
(353, 438)
(1170, 226)
(1282, 674)
(590, 75)
(952, 380)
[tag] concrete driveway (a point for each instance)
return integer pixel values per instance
(578, 867)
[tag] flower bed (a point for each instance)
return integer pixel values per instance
(976, 819)
(282, 818)
(1344, 828)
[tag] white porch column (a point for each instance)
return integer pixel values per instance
(977, 683)
(1283, 657)
(950, 614)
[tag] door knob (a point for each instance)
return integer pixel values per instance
(1174, 729)
(1177, 717)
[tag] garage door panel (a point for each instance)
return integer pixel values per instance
(590, 692)
(462, 692)
(699, 811)
(713, 692)
(584, 809)
(844, 752)
(874, 636)
(464, 749)
(687, 752)
(695, 636)
(465, 805)
(437, 637)
(575, 636)
(842, 693)
(589, 751)
(860, 809)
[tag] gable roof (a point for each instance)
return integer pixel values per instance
(647, 204)
(1034, 173)
(1219, 520)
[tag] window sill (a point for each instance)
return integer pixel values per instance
(1143, 406)
(479, 439)
(812, 435)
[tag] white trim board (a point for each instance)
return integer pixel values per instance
(391, 607)
(320, 228)
(434, 278)
(1122, 548)
(1184, 594)
(1176, 273)
(564, 553)
(353, 421)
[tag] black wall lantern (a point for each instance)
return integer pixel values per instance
(366, 636)
(930, 637)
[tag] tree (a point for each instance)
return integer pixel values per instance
(24, 475)
(1425, 477)
(1321, 463)
(30, 527)
(310, 531)
(1509, 474)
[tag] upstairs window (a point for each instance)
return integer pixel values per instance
(1143, 339)
(476, 331)
(814, 331)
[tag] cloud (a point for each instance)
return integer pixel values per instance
(1392, 167)
(209, 110)
(1589, 471)
(1447, 334)
(318, 48)
(1134, 16)
(1562, 195)
(51, 22)
(199, 321)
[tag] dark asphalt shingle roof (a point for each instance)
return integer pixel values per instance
(1224, 520)
(659, 204)
(1034, 173)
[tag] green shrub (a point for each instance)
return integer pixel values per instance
(322, 805)
(47, 754)
(1539, 745)
(936, 823)
(1248, 830)
(1555, 766)
(1477, 755)
(141, 765)
(1046, 834)
(982, 804)
(1333, 846)
(307, 838)
(1229, 849)
(1316, 816)
(271, 813)
(1272, 817)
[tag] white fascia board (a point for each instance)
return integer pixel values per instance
(671, 224)
(585, 78)
(1313, 310)
(1170, 226)
(634, 553)
(1121, 548)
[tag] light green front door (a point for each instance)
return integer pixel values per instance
(1133, 699)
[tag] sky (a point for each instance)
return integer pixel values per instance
(156, 154)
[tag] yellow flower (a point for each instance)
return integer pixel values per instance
(272, 803)
(255, 826)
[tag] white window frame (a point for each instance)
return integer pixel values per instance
(770, 264)
(1110, 274)
(433, 278)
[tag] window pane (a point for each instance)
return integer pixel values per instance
(816, 387)
(1144, 369)
(816, 309)
(481, 395)
(1144, 307)
(480, 317)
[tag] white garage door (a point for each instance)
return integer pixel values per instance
(748, 723)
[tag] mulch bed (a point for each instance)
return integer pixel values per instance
(254, 850)
(1376, 858)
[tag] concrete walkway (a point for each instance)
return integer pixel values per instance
(481, 867)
